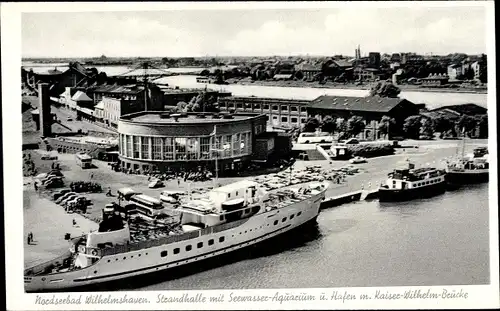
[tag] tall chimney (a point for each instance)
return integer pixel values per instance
(44, 109)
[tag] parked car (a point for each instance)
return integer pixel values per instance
(357, 160)
(156, 183)
(49, 156)
(67, 199)
(60, 193)
(171, 196)
(350, 141)
(64, 196)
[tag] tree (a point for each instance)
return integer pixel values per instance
(385, 89)
(355, 125)
(411, 127)
(299, 75)
(181, 107)
(482, 123)
(202, 103)
(443, 124)
(385, 125)
(465, 125)
(329, 125)
(311, 125)
(427, 127)
(483, 69)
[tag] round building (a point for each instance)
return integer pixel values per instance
(158, 142)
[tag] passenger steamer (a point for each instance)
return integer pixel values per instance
(410, 183)
(227, 219)
(470, 169)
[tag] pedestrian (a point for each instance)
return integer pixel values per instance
(149, 178)
(36, 186)
(29, 240)
(91, 175)
(74, 222)
(30, 236)
(362, 187)
(178, 181)
(52, 166)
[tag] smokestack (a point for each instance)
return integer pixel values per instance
(45, 116)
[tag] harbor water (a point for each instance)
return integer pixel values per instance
(431, 99)
(438, 241)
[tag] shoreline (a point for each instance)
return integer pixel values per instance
(300, 84)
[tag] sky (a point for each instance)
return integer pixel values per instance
(256, 32)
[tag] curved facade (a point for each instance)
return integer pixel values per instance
(154, 141)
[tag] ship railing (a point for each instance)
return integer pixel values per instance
(121, 248)
(47, 266)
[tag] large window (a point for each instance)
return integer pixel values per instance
(227, 146)
(193, 148)
(284, 108)
(145, 148)
(156, 145)
(180, 148)
(205, 148)
(236, 144)
(129, 145)
(168, 148)
(135, 147)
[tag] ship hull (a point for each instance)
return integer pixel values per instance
(465, 177)
(255, 230)
(399, 195)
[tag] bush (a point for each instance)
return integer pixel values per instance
(370, 150)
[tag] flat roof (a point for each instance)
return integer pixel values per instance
(155, 117)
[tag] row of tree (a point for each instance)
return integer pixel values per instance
(470, 126)
(413, 127)
(203, 102)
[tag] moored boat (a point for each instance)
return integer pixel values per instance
(230, 218)
(408, 183)
(469, 169)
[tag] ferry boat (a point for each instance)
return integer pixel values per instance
(409, 183)
(469, 169)
(229, 218)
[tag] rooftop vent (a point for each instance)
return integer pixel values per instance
(201, 116)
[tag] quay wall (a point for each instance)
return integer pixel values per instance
(349, 198)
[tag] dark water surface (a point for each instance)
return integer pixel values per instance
(438, 241)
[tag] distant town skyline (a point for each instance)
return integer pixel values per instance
(190, 33)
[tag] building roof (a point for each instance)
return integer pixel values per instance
(369, 104)
(100, 105)
(189, 118)
(119, 89)
(468, 109)
(446, 113)
(307, 67)
(80, 96)
(342, 63)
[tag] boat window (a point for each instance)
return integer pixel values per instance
(221, 239)
(228, 195)
(299, 213)
(200, 245)
(211, 242)
(247, 210)
(177, 250)
(221, 217)
(291, 216)
(283, 220)
(275, 222)
(236, 192)
(188, 248)
(163, 254)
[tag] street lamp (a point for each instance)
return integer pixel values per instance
(224, 148)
